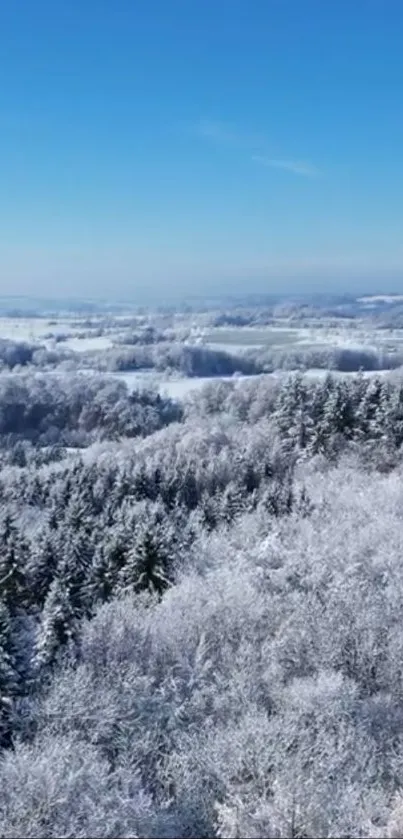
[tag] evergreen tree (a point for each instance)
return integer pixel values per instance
(42, 565)
(148, 563)
(58, 624)
(75, 558)
(100, 584)
(394, 417)
(9, 681)
(292, 414)
(233, 502)
(14, 590)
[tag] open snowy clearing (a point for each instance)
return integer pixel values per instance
(86, 344)
(39, 329)
(381, 298)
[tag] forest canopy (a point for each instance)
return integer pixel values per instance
(200, 608)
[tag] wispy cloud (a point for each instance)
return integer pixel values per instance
(297, 167)
(253, 144)
(224, 134)
(216, 131)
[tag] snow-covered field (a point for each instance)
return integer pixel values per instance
(236, 349)
(381, 298)
(85, 344)
(44, 331)
(27, 329)
(240, 339)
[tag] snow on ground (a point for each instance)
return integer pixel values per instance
(233, 348)
(298, 338)
(35, 330)
(25, 329)
(381, 298)
(84, 344)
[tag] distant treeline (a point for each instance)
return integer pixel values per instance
(195, 360)
(342, 359)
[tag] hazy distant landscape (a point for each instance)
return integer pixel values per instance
(162, 348)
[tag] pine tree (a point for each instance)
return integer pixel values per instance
(100, 584)
(188, 490)
(338, 418)
(8, 677)
(319, 420)
(75, 558)
(42, 566)
(232, 502)
(14, 590)
(58, 624)
(292, 414)
(394, 420)
(367, 413)
(148, 562)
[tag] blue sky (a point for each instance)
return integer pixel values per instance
(200, 145)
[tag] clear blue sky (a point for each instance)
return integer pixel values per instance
(147, 145)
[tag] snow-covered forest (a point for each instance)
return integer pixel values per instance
(201, 607)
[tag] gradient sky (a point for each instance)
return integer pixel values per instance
(201, 145)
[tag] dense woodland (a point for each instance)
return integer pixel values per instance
(200, 609)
